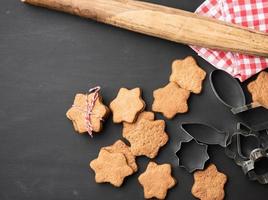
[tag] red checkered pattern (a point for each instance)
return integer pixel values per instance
(250, 13)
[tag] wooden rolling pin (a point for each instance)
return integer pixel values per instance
(165, 22)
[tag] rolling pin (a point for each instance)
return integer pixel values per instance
(166, 23)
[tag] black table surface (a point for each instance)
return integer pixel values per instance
(46, 57)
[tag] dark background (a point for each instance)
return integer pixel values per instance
(46, 58)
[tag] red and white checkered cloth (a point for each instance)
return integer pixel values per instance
(250, 13)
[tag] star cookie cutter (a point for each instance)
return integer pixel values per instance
(249, 152)
(191, 154)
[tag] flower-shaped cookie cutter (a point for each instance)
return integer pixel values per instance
(248, 151)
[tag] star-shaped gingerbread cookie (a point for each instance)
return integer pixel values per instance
(156, 180)
(146, 137)
(259, 89)
(110, 168)
(187, 74)
(209, 184)
(170, 100)
(131, 126)
(78, 113)
(120, 147)
(127, 105)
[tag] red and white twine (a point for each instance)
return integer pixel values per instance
(90, 103)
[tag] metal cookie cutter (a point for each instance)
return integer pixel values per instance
(227, 90)
(258, 157)
(230, 93)
(191, 154)
(206, 134)
(264, 139)
(192, 151)
(247, 150)
(241, 144)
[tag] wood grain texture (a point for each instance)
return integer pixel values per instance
(166, 23)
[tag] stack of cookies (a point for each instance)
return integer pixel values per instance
(87, 113)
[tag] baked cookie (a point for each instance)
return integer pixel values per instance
(83, 119)
(187, 74)
(110, 168)
(156, 180)
(209, 184)
(259, 89)
(131, 126)
(120, 147)
(146, 137)
(127, 105)
(170, 100)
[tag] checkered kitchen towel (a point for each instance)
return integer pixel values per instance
(250, 13)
